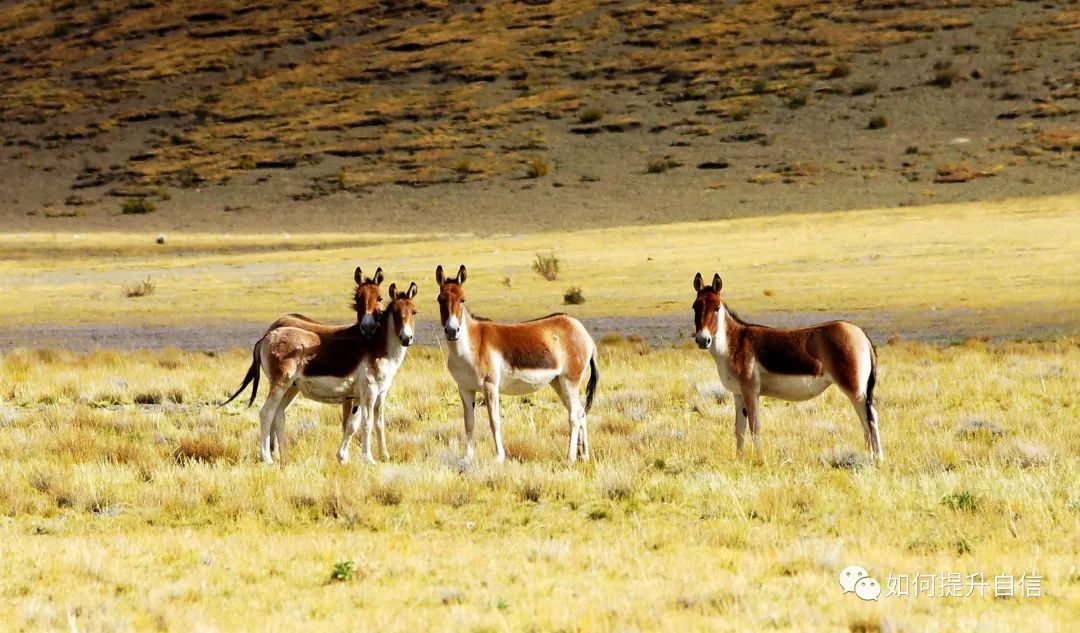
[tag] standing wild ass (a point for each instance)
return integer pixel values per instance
(335, 365)
(795, 364)
(516, 359)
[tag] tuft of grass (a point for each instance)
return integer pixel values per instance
(573, 296)
(343, 571)
(839, 71)
(591, 115)
(206, 449)
(142, 288)
(547, 266)
(798, 100)
(137, 206)
(537, 167)
(863, 88)
(962, 500)
(877, 122)
(660, 165)
(945, 76)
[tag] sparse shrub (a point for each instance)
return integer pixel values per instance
(591, 115)
(536, 167)
(573, 296)
(693, 93)
(343, 571)
(660, 165)
(945, 76)
(877, 122)
(63, 29)
(547, 266)
(798, 100)
(187, 177)
(246, 163)
(137, 206)
(839, 71)
(911, 149)
(759, 86)
(139, 288)
(963, 500)
(863, 88)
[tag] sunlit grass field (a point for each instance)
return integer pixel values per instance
(1017, 258)
(131, 503)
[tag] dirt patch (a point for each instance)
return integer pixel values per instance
(940, 326)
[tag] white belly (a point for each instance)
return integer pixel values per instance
(521, 382)
(328, 389)
(792, 387)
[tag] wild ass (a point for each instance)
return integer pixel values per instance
(515, 359)
(791, 364)
(336, 366)
(366, 300)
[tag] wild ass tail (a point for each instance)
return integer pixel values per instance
(252, 375)
(594, 377)
(871, 381)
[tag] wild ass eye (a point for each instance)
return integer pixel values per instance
(414, 312)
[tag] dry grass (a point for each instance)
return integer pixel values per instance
(128, 516)
(861, 262)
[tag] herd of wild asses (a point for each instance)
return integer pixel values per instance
(354, 365)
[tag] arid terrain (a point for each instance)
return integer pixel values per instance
(175, 175)
(516, 116)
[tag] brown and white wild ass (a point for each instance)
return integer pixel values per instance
(791, 364)
(516, 359)
(339, 365)
(366, 300)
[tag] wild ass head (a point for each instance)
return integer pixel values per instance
(451, 301)
(403, 312)
(707, 310)
(366, 300)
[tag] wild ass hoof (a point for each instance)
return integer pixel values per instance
(343, 458)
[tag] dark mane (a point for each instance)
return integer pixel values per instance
(477, 317)
(553, 314)
(735, 316)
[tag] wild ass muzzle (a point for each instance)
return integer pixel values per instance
(790, 364)
(337, 366)
(516, 359)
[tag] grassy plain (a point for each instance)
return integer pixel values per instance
(129, 502)
(157, 516)
(1016, 257)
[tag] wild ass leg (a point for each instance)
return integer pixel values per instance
(368, 411)
(740, 424)
(277, 436)
(869, 419)
(468, 406)
(753, 417)
(491, 397)
(266, 419)
(349, 426)
(568, 393)
(380, 425)
(346, 411)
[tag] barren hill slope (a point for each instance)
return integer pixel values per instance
(509, 116)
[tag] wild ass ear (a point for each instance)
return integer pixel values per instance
(439, 275)
(379, 277)
(393, 291)
(358, 276)
(717, 284)
(461, 273)
(698, 283)
(412, 291)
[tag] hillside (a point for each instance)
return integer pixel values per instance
(510, 116)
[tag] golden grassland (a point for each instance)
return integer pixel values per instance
(130, 503)
(1005, 257)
